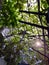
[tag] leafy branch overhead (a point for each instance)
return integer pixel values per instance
(20, 27)
(9, 13)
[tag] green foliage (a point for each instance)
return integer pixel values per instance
(9, 14)
(10, 17)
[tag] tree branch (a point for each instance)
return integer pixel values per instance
(40, 53)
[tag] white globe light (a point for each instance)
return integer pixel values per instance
(38, 43)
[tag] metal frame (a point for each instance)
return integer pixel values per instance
(39, 13)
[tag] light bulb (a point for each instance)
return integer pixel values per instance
(38, 43)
